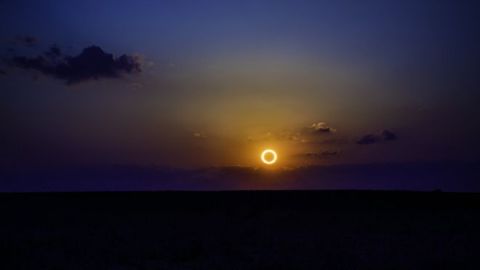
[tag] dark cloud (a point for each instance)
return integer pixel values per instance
(54, 52)
(2, 72)
(369, 139)
(91, 63)
(450, 176)
(28, 41)
(321, 155)
(388, 135)
(385, 135)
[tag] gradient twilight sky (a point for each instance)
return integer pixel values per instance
(211, 83)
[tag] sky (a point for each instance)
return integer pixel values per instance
(202, 84)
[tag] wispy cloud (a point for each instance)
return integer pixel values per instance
(320, 155)
(199, 135)
(27, 40)
(322, 127)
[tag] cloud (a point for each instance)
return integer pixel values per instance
(369, 139)
(28, 41)
(306, 134)
(321, 127)
(385, 135)
(199, 135)
(449, 176)
(2, 72)
(53, 52)
(388, 135)
(321, 155)
(91, 64)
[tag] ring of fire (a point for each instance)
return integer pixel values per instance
(269, 156)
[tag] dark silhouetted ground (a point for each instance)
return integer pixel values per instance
(240, 230)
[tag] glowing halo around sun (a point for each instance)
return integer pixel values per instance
(269, 156)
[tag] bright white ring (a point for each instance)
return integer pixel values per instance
(269, 161)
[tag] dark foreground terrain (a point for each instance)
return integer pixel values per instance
(240, 230)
